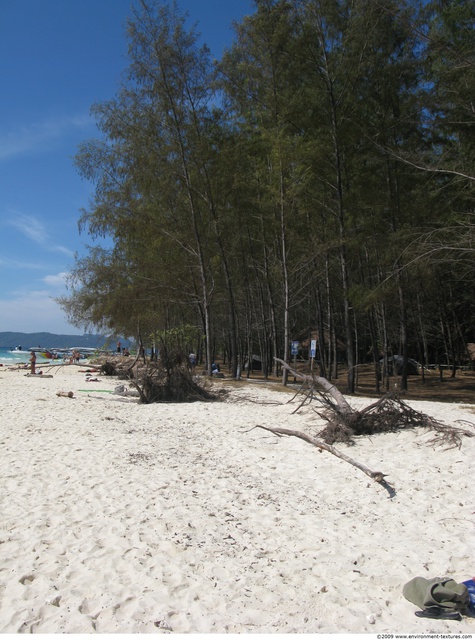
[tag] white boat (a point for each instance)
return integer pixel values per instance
(84, 352)
(18, 350)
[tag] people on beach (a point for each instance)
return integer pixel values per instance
(75, 357)
(118, 347)
(33, 362)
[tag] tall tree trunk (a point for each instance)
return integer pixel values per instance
(375, 350)
(285, 275)
(403, 321)
(338, 176)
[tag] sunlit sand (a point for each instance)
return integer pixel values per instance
(121, 517)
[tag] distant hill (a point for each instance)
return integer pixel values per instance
(10, 339)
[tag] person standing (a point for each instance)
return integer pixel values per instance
(33, 363)
(118, 347)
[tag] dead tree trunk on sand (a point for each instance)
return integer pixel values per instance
(345, 409)
(342, 404)
(388, 413)
(377, 476)
(344, 422)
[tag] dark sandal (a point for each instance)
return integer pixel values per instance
(437, 613)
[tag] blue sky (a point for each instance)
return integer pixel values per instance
(57, 58)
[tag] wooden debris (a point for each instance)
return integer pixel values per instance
(377, 476)
(37, 375)
(388, 414)
(65, 394)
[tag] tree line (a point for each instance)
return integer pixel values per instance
(315, 182)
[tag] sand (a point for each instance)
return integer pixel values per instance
(118, 517)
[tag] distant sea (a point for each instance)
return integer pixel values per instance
(19, 358)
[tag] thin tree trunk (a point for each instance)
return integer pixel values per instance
(375, 350)
(285, 274)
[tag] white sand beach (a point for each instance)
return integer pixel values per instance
(117, 517)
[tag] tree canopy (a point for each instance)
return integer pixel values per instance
(315, 183)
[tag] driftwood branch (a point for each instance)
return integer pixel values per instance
(387, 414)
(330, 388)
(377, 476)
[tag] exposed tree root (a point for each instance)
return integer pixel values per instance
(162, 381)
(158, 385)
(387, 414)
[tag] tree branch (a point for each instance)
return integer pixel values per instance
(377, 476)
(422, 168)
(339, 398)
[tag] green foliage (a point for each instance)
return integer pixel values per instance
(183, 338)
(318, 175)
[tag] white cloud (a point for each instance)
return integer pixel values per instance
(60, 249)
(57, 280)
(31, 227)
(33, 312)
(19, 264)
(37, 136)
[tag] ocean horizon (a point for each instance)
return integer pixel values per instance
(9, 357)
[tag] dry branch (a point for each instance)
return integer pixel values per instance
(387, 414)
(377, 476)
(330, 388)
(156, 383)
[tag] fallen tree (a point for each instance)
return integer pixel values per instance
(387, 414)
(164, 380)
(158, 384)
(377, 476)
